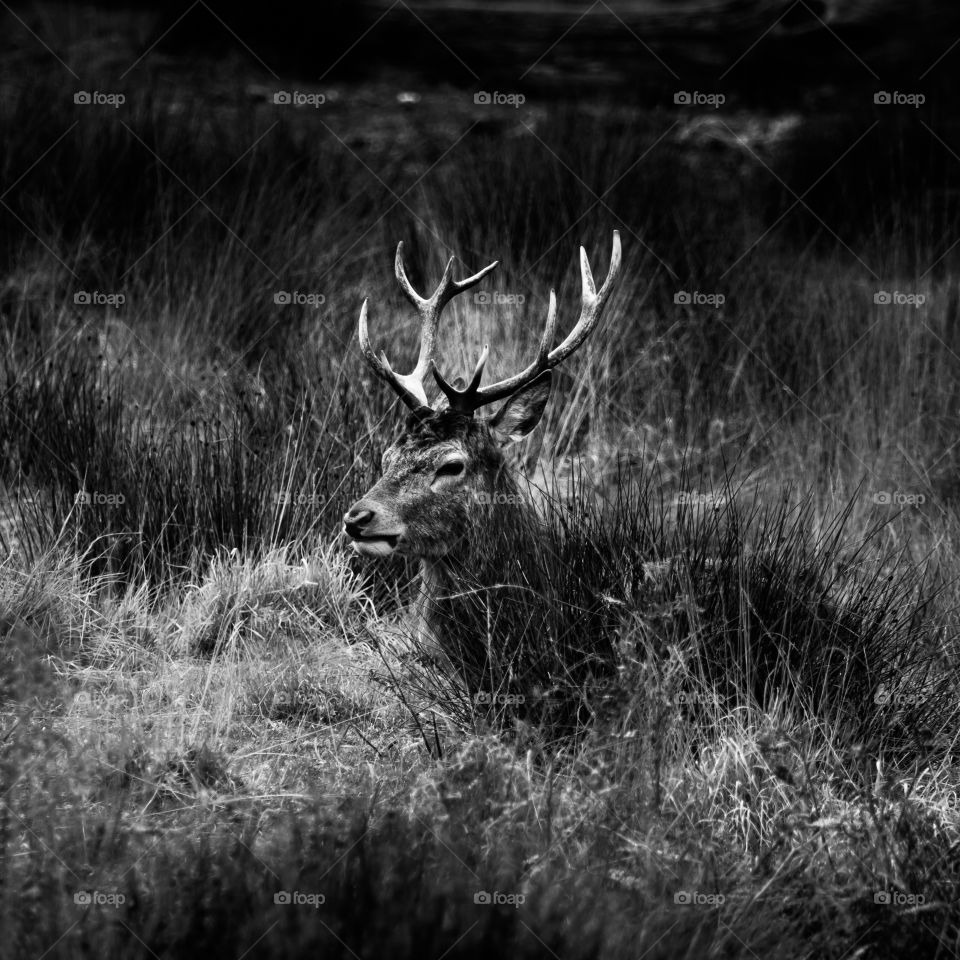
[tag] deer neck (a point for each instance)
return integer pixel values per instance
(451, 586)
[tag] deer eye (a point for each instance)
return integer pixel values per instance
(452, 469)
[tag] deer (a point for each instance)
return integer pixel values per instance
(447, 473)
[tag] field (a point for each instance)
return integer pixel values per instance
(720, 719)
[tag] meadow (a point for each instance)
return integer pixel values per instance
(723, 724)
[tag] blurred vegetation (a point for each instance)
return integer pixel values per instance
(711, 710)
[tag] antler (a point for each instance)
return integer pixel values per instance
(409, 386)
(473, 396)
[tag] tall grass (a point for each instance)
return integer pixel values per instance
(741, 686)
(798, 366)
(757, 608)
(154, 499)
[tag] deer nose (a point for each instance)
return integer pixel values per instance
(355, 519)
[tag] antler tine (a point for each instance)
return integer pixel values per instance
(548, 331)
(592, 303)
(415, 400)
(410, 386)
(462, 400)
(591, 309)
(401, 275)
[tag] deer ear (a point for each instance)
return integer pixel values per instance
(522, 412)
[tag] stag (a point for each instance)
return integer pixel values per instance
(447, 473)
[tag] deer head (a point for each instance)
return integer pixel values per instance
(449, 462)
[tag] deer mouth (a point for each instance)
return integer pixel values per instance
(376, 546)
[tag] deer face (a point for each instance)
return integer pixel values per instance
(447, 464)
(439, 477)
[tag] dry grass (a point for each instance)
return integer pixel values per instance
(206, 700)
